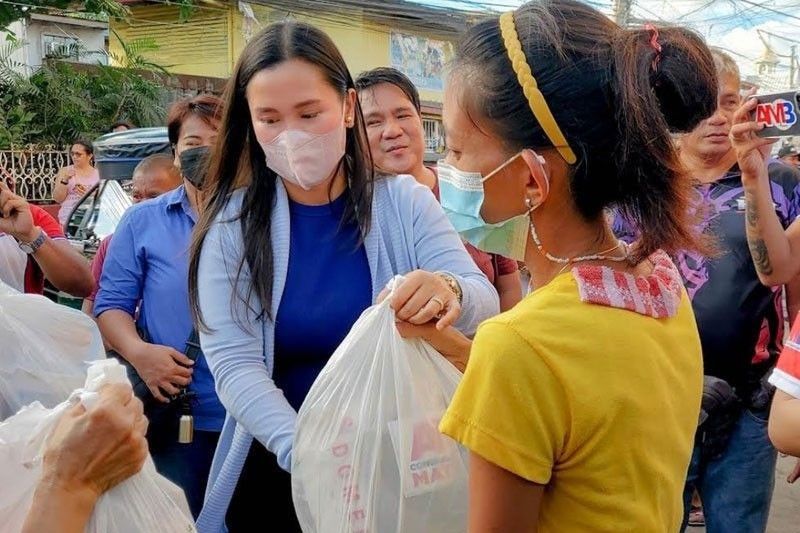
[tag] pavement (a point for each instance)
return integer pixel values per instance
(784, 515)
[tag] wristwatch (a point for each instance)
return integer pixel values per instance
(31, 247)
(452, 284)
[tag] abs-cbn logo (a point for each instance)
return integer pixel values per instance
(780, 114)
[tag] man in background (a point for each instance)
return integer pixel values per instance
(740, 321)
(392, 111)
(790, 155)
(152, 177)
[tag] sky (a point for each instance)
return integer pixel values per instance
(735, 25)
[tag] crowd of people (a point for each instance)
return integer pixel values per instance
(631, 379)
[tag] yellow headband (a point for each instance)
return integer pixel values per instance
(535, 97)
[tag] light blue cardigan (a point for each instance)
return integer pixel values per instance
(409, 231)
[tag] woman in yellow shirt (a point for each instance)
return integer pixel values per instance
(579, 406)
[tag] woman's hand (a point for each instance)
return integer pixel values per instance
(66, 174)
(61, 184)
(752, 151)
(423, 297)
(449, 342)
(162, 368)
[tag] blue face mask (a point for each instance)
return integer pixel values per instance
(462, 197)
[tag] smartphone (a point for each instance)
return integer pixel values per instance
(778, 113)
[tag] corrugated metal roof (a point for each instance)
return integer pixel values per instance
(393, 13)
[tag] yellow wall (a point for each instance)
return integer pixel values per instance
(199, 46)
(214, 36)
(363, 47)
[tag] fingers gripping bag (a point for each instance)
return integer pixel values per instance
(46, 350)
(145, 502)
(368, 455)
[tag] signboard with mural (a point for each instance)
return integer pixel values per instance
(421, 59)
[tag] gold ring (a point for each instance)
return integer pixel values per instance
(438, 301)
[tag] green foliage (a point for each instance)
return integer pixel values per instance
(62, 101)
(186, 8)
(10, 12)
(16, 123)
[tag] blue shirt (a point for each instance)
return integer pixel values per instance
(148, 261)
(315, 313)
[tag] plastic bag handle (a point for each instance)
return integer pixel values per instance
(394, 283)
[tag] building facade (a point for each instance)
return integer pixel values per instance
(417, 40)
(70, 38)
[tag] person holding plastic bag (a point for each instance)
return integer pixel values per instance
(86, 455)
(579, 406)
(298, 238)
(387, 467)
(85, 462)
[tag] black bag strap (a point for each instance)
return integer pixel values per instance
(193, 350)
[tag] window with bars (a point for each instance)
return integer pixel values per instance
(434, 139)
(60, 46)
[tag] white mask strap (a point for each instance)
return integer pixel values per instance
(501, 167)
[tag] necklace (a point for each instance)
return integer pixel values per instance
(567, 261)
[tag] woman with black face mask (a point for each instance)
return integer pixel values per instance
(143, 310)
(194, 165)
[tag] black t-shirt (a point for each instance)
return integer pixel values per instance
(740, 320)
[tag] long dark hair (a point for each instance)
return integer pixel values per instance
(615, 97)
(239, 162)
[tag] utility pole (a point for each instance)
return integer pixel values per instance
(793, 64)
(622, 12)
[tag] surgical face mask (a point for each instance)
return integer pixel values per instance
(462, 196)
(306, 159)
(194, 165)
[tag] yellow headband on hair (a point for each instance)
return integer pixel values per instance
(535, 97)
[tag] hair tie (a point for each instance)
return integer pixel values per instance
(654, 44)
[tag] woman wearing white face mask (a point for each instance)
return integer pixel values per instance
(297, 239)
(579, 406)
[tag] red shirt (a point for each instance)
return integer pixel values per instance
(492, 265)
(786, 375)
(97, 265)
(19, 270)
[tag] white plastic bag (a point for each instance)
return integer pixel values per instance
(368, 455)
(45, 350)
(145, 502)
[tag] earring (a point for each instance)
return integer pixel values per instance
(529, 204)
